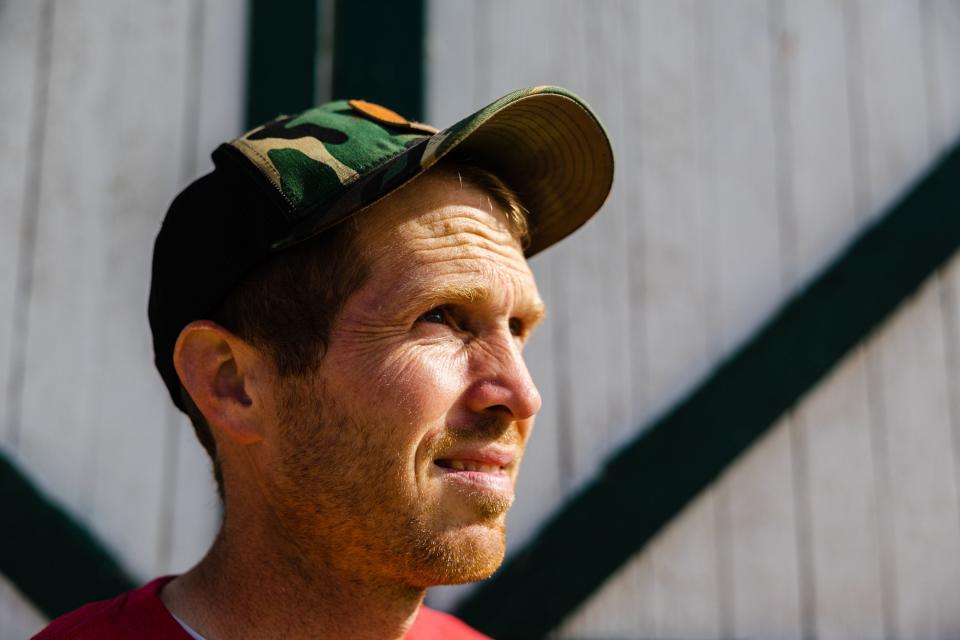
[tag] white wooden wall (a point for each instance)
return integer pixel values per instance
(754, 139)
(109, 108)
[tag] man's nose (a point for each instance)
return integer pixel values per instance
(502, 384)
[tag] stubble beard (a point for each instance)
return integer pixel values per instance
(348, 506)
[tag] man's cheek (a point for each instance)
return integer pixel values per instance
(418, 377)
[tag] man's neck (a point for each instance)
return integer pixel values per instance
(249, 588)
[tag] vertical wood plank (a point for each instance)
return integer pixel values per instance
(222, 81)
(685, 571)
(58, 411)
(604, 315)
(624, 607)
(665, 186)
(950, 300)
(672, 264)
(24, 66)
(835, 422)
(813, 55)
(942, 26)
(832, 426)
(156, 77)
(744, 224)
(451, 62)
(93, 412)
(922, 496)
(908, 354)
(627, 604)
(757, 494)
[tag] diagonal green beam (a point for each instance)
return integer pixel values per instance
(650, 480)
(53, 560)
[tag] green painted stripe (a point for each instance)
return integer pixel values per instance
(649, 481)
(282, 50)
(54, 561)
(378, 53)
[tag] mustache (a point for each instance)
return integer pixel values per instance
(482, 430)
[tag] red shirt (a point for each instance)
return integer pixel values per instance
(142, 615)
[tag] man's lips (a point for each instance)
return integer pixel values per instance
(488, 459)
(484, 468)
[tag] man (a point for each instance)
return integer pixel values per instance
(340, 307)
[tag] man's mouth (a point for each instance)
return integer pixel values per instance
(484, 459)
(469, 465)
(485, 469)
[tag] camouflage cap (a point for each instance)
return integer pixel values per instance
(292, 178)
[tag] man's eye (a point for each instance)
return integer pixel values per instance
(436, 315)
(516, 326)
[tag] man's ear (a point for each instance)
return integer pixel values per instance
(223, 375)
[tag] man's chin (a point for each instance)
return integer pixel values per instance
(464, 554)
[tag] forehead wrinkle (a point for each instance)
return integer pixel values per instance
(484, 252)
(459, 234)
(488, 224)
(400, 251)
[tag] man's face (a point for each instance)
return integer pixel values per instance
(400, 454)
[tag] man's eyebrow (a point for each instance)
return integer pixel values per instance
(453, 292)
(466, 293)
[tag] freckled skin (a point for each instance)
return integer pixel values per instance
(351, 474)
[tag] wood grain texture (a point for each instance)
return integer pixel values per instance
(941, 24)
(93, 413)
(941, 48)
(837, 518)
(24, 66)
(922, 495)
(598, 310)
(136, 102)
(450, 60)
(630, 592)
(753, 142)
(666, 151)
(917, 489)
(835, 421)
(745, 223)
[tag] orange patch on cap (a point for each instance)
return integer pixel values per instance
(381, 114)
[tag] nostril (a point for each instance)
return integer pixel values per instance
(500, 408)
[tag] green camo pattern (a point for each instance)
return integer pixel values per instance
(311, 157)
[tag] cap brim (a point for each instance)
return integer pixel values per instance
(544, 142)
